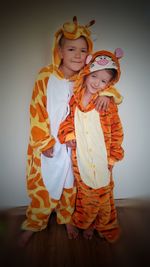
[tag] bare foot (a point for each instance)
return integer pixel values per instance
(88, 233)
(24, 238)
(72, 231)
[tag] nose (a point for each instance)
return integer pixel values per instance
(97, 83)
(77, 54)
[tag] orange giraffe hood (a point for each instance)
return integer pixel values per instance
(72, 31)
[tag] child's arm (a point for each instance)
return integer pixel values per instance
(103, 100)
(40, 137)
(66, 133)
(116, 150)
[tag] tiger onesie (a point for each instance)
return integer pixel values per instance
(98, 143)
(50, 181)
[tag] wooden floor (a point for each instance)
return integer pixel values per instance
(51, 247)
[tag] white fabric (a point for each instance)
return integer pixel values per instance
(91, 149)
(57, 172)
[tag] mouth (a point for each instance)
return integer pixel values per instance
(77, 62)
(94, 87)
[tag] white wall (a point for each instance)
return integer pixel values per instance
(26, 32)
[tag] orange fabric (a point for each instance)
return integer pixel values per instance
(66, 205)
(110, 122)
(95, 207)
(88, 201)
(41, 139)
(42, 206)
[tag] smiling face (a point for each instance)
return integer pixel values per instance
(73, 54)
(97, 81)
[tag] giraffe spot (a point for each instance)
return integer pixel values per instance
(44, 196)
(35, 92)
(32, 111)
(42, 113)
(65, 213)
(35, 202)
(37, 133)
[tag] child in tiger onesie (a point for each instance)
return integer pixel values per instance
(95, 139)
(50, 181)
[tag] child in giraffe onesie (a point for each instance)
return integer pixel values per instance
(50, 181)
(95, 138)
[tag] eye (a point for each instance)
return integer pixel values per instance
(83, 50)
(103, 81)
(93, 75)
(70, 49)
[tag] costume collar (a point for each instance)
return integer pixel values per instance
(59, 74)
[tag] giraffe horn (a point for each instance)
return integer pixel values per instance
(75, 20)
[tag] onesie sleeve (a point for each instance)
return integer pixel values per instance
(116, 150)
(40, 132)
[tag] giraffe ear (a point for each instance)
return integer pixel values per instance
(90, 23)
(119, 53)
(88, 59)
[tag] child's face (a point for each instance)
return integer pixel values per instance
(73, 54)
(97, 81)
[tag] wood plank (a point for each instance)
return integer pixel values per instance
(51, 247)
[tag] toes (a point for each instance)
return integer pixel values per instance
(72, 232)
(88, 234)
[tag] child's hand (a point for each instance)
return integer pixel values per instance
(48, 153)
(71, 143)
(102, 103)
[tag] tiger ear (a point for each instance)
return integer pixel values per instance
(88, 59)
(119, 53)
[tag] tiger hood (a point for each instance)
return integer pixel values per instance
(100, 60)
